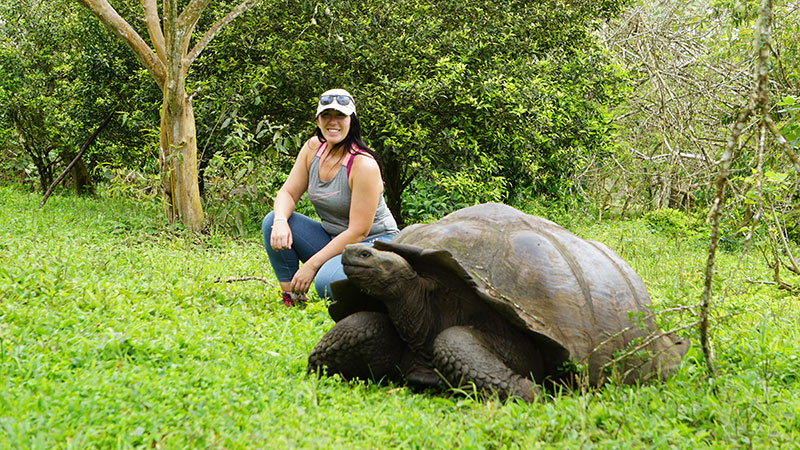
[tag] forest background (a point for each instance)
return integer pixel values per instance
(585, 112)
(610, 107)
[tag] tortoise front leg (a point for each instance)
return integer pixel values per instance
(363, 345)
(462, 355)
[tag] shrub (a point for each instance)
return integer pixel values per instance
(668, 222)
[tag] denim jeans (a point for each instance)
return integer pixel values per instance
(308, 237)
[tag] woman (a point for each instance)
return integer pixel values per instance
(344, 183)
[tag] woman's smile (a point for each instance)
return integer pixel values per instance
(334, 126)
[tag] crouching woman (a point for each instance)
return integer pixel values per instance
(344, 184)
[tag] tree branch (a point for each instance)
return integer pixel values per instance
(77, 157)
(757, 105)
(781, 140)
(191, 14)
(109, 16)
(154, 27)
(203, 42)
(233, 280)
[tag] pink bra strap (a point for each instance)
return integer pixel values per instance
(352, 158)
(321, 149)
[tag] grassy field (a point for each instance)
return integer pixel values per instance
(114, 334)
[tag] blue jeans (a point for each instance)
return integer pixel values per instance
(308, 237)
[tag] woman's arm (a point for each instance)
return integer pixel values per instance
(289, 194)
(366, 185)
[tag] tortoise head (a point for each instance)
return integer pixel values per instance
(379, 273)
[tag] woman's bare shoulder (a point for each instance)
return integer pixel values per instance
(364, 163)
(313, 143)
(309, 149)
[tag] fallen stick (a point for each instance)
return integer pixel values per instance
(231, 280)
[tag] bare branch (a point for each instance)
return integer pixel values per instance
(232, 280)
(642, 345)
(757, 105)
(77, 157)
(203, 42)
(109, 16)
(781, 140)
(154, 27)
(703, 158)
(633, 326)
(191, 96)
(786, 248)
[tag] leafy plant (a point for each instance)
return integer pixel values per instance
(432, 197)
(791, 126)
(519, 85)
(667, 221)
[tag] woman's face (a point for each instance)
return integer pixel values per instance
(334, 126)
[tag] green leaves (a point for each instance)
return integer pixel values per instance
(59, 78)
(790, 128)
(441, 86)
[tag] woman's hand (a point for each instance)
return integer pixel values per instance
(303, 278)
(281, 236)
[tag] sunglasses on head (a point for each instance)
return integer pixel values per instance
(343, 100)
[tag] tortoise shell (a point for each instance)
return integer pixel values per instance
(576, 295)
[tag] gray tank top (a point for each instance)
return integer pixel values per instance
(331, 200)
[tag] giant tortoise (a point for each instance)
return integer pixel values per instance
(495, 297)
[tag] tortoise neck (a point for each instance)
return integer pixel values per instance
(412, 313)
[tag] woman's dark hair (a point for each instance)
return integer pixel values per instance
(353, 140)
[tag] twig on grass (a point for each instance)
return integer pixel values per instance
(759, 282)
(232, 280)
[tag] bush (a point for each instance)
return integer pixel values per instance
(431, 198)
(668, 222)
(239, 190)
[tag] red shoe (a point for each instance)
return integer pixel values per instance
(291, 299)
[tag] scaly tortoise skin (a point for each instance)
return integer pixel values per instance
(495, 297)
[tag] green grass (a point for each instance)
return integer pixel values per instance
(114, 334)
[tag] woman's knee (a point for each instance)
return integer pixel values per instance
(331, 271)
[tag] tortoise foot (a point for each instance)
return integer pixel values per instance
(424, 377)
(462, 356)
(363, 345)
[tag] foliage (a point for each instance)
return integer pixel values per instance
(770, 197)
(432, 196)
(129, 184)
(669, 222)
(56, 85)
(691, 68)
(529, 101)
(104, 344)
(519, 85)
(791, 126)
(239, 187)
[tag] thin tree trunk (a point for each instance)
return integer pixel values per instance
(757, 105)
(82, 179)
(178, 152)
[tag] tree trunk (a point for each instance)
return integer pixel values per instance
(395, 184)
(80, 177)
(178, 155)
(168, 65)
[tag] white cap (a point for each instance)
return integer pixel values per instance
(332, 102)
